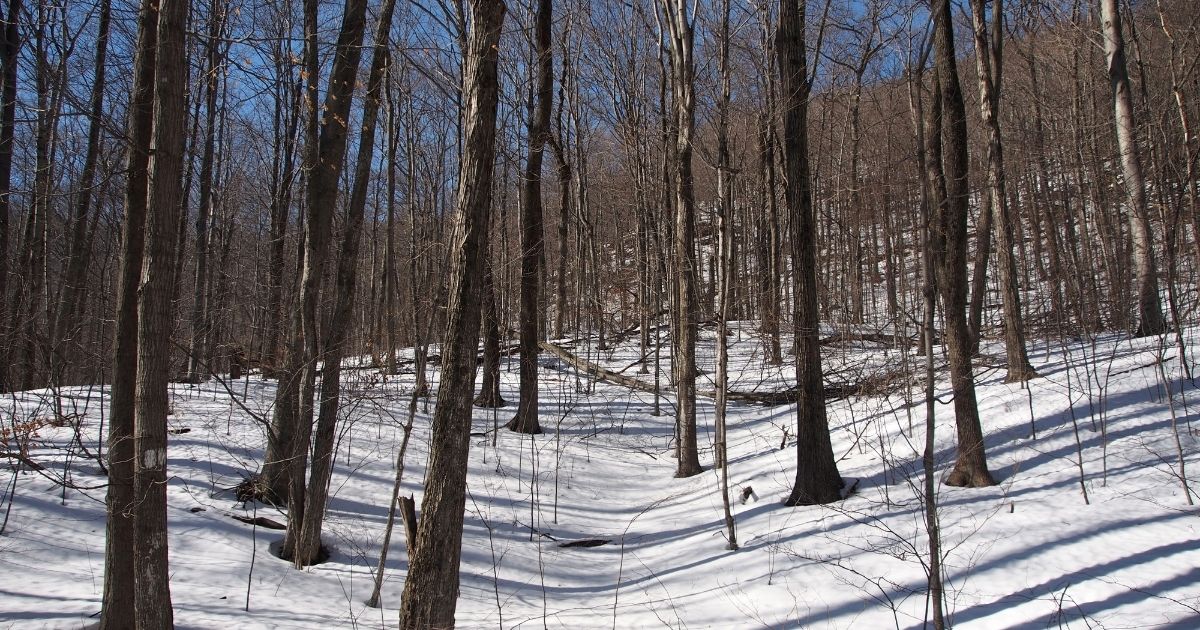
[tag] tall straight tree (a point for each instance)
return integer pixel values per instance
(431, 589)
(152, 595)
(989, 66)
(533, 244)
(8, 113)
(201, 319)
(817, 478)
(1150, 316)
(679, 16)
(118, 609)
(951, 201)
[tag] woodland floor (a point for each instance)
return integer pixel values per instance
(1027, 553)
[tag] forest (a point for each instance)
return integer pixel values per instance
(590, 313)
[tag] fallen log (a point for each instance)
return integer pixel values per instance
(833, 391)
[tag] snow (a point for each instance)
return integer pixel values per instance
(1026, 553)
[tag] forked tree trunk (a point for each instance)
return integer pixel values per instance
(324, 169)
(989, 70)
(431, 589)
(308, 546)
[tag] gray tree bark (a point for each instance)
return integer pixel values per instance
(117, 608)
(989, 71)
(948, 158)
(155, 323)
(1150, 316)
(431, 589)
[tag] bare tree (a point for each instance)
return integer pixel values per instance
(532, 242)
(152, 595)
(431, 589)
(948, 159)
(118, 603)
(679, 16)
(308, 545)
(1150, 316)
(989, 60)
(817, 478)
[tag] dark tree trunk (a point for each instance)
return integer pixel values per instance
(152, 595)
(681, 32)
(817, 478)
(532, 241)
(74, 286)
(324, 165)
(431, 589)
(118, 606)
(198, 348)
(489, 393)
(308, 545)
(8, 114)
(950, 225)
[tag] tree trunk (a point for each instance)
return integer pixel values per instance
(489, 393)
(324, 164)
(118, 606)
(949, 159)
(989, 68)
(74, 286)
(308, 545)
(152, 595)
(198, 349)
(8, 113)
(532, 241)
(1150, 316)
(725, 208)
(683, 84)
(817, 478)
(431, 589)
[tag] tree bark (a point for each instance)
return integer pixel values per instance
(1150, 316)
(431, 589)
(489, 392)
(308, 545)
(198, 350)
(152, 595)
(8, 114)
(817, 477)
(74, 286)
(324, 168)
(949, 158)
(989, 71)
(681, 34)
(118, 603)
(532, 241)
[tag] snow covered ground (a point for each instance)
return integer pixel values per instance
(1026, 553)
